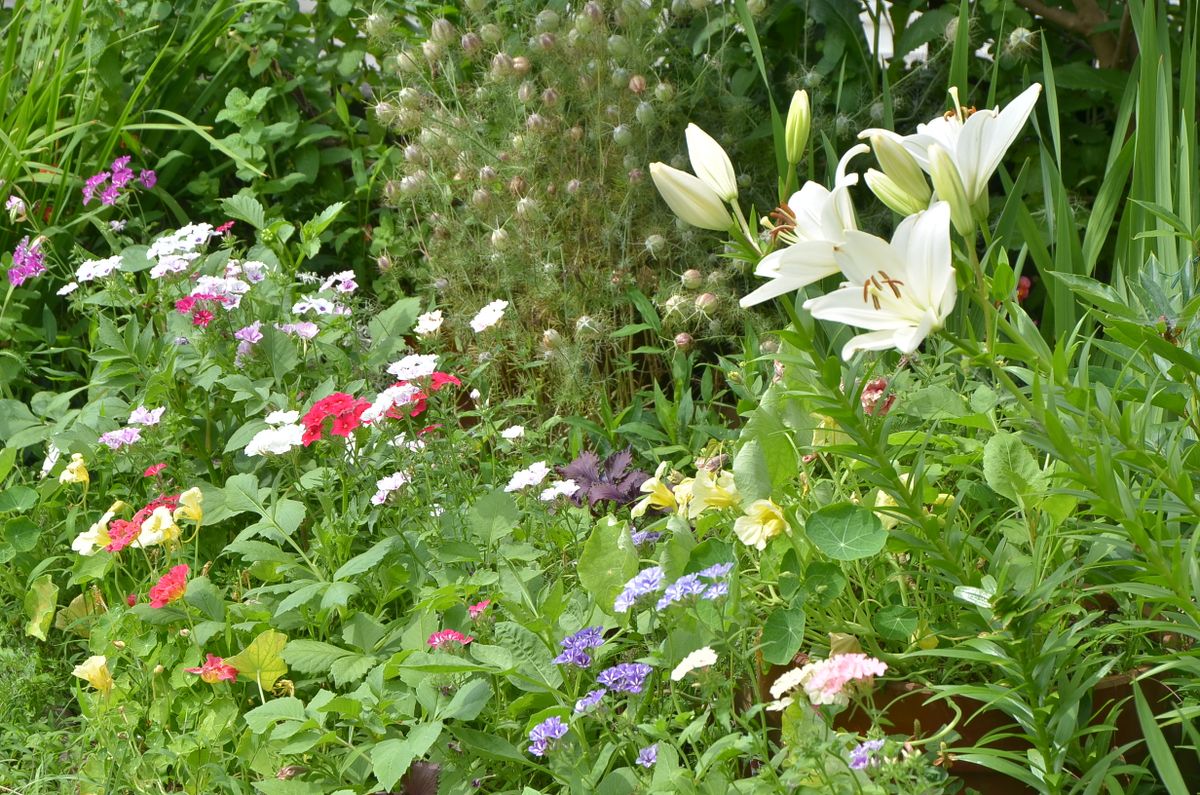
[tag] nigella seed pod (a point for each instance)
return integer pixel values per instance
(413, 153)
(442, 31)
(574, 186)
(517, 186)
(583, 25)
(521, 65)
(593, 11)
(487, 174)
(441, 283)
(383, 263)
(385, 112)
(491, 33)
(546, 20)
(674, 305)
(499, 238)
(432, 50)
(683, 341)
(664, 92)
(645, 113)
(472, 43)
(413, 183)
(502, 65)
(546, 41)
(551, 339)
(756, 7)
(391, 190)
(407, 63)
(769, 345)
(575, 133)
(656, 245)
(635, 175)
(691, 278)
(618, 45)
(706, 302)
(527, 208)
(586, 326)
(526, 92)
(409, 97)
(631, 161)
(518, 142)
(699, 5)
(536, 122)
(476, 6)
(550, 97)
(619, 77)
(622, 135)
(637, 84)
(481, 198)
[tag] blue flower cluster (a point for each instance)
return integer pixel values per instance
(648, 756)
(591, 699)
(575, 647)
(860, 757)
(625, 678)
(710, 583)
(643, 584)
(546, 732)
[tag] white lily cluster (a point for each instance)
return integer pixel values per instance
(899, 291)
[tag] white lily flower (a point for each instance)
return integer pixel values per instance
(976, 140)
(710, 163)
(690, 198)
(901, 291)
(822, 217)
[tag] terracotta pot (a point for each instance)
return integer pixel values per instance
(907, 707)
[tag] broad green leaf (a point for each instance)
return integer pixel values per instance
(245, 208)
(261, 661)
(351, 668)
(1009, 469)
(367, 560)
(263, 717)
(846, 532)
(751, 473)
(40, 603)
(468, 702)
(823, 582)
(78, 616)
(313, 656)
(1160, 750)
(391, 759)
(8, 456)
(494, 517)
(608, 560)
(783, 635)
(896, 623)
(205, 597)
(21, 533)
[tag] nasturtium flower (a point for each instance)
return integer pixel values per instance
(170, 587)
(97, 536)
(158, 528)
(762, 521)
(900, 291)
(214, 670)
(658, 494)
(190, 506)
(94, 671)
(76, 471)
(712, 490)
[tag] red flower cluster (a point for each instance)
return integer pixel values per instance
(437, 381)
(194, 303)
(154, 469)
(449, 637)
(170, 587)
(122, 533)
(214, 670)
(345, 410)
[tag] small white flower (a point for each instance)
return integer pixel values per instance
(530, 476)
(282, 417)
(320, 306)
(428, 323)
(700, 658)
(276, 441)
(118, 225)
(386, 485)
(414, 366)
(52, 455)
(474, 394)
(68, 288)
(489, 316)
(561, 488)
(789, 681)
(97, 268)
(388, 399)
(143, 416)
(514, 432)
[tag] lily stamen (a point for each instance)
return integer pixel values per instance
(873, 287)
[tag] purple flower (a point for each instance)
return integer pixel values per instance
(648, 756)
(642, 537)
(590, 700)
(110, 195)
(716, 572)
(716, 591)
(686, 586)
(93, 182)
(625, 678)
(250, 334)
(28, 262)
(644, 583)
(122, 437)
(575, 647)
(144, 416)
(544, 733)
(121, 173)
(148, 178)
(860, 757)
(303, 330)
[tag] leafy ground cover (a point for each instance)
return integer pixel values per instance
(870, 470)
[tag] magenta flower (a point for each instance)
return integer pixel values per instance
(28, 262)
(448, 638)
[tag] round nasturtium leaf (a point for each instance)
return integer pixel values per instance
(846, 532)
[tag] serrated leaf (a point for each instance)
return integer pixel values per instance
(494, 517)
(245, 208)
(469, 701)
(261, 661)
(301, 596)
(367, 560)
(351, 668)
(846, 532)
(263, 717)
(313, 656)
(205, 597)
(1009, 469)
(391, 759)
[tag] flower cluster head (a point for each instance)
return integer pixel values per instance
(489, 316)
(544, 734)
(175, 251)
(700, 658)
(530, 476)
(15, 206)
(648, 756)
(283, 435)
(146, 417)
(428, 323)
(860, 756)
(116, 180)
(644, 583)
(214, 670)
(386, 485)
(559, 488)
(345, 410)
(685, 587)
(305, 330)
(625, 678)
(873, 400)
(575, 647)
(95, 269)
(825, 681)
(478, 609)
(449, 639)
(589, 700)
(122, 437)
(644, 537)
(29, 261)
(171, 586)
(200, 307)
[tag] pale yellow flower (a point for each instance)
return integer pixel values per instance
(159, 528)
(94, 670)
(712, 490)
(75, 472)
(658, 494)
(189, 506)
(96, 536)
(763, 521)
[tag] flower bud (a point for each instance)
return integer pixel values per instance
(442, 31)
(635, 175)
(383, 262)
(710, 163)
(902, 168)
(158, 669)
(706, 302)
(949, 186)
(683, 341)
(691, 279)
(622, 135)
(888, 192)
(119, 644)
(491, 33)
(184, 632)
(799, 122)
(16, 209)
(655, 245)
(693, 201)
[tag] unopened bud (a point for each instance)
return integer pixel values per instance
(118, 644)
(706, 302)
(683, 341)
(184, 632)
(903, 169)
(635, 175)
(158, 669)
(949, 186)
(799, 122)
(888, 192)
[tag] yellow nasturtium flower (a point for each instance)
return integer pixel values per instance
(658, 493)
(75, 472)
(94, 671)
(763, 521)
(159, 528)
(712, 490)
(189, 506)
(96, 536)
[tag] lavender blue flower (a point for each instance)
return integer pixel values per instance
(542, 735)
(860, 757)
(716, 572)
(643, 537)
(575, 647)
(685, 586)
(625, 678)
(648, 756)
(716, 591)
(591, 699)
(643, 584)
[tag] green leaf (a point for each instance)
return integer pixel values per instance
(242, 494)
(609, 559)
(263, 717)
(896, 623)
(313, 656)
(261, 661)
(367, 560)
(205, 597)
(751, 474)
(21, 533)
(469, 701)
(40, 603)
(391, 759)
(1009, 468)
(1160, 750)
(245, 208)
(351, 669)
(8, 457)
(387, 330)
(846, 532)
(783, 635)
(823, 582)
(494, 517)
(17, 499)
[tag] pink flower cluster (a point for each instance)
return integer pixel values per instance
(28, 261)
(110, 183)
(195, 305)
(824, 681)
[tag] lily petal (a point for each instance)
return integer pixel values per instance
(710, 163)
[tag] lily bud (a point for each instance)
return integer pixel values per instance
(690, 198)
(902, 168)
(799, 122)
(949, 186)
(891, 194)
(711, 164)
